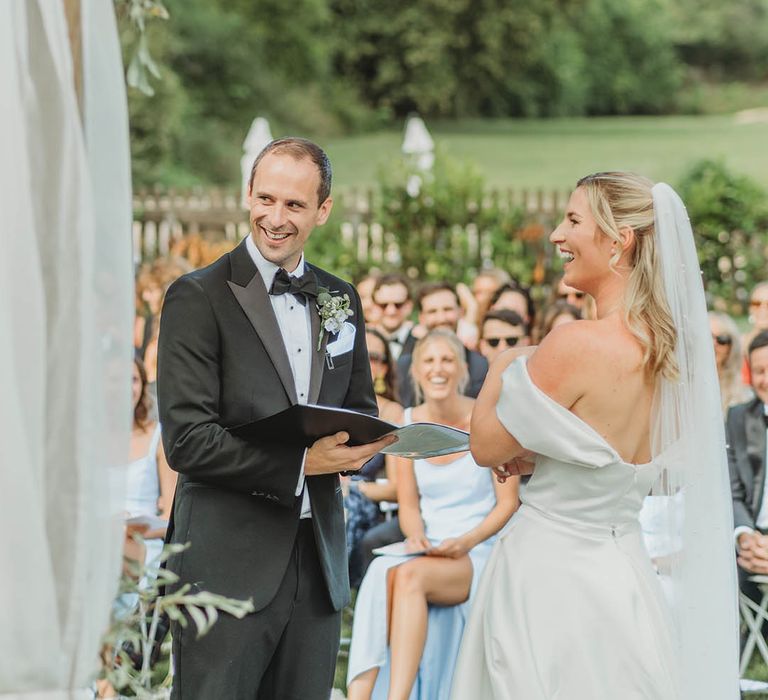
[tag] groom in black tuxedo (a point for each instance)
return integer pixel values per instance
(238, 342)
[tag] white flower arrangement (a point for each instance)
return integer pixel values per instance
(333, 310)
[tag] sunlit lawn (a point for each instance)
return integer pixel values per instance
(553, 153)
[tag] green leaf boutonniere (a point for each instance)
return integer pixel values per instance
(333, 312)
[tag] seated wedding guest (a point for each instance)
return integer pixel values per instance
(467, 328)
(745, 430)
(439, 308)
(515, 297)
(555, 315)
(392, 295)
(484, 286)
(575, 297)
(758, 321)
(725, 338)
(150, 290)
(410, 610)
(501, 330)
(571, 295)
(366, 527)
(150, 482)
(371, 312)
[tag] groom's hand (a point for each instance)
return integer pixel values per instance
(331, 454)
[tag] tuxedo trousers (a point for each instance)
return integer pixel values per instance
(285, 651)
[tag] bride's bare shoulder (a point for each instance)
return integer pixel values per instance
(561, 365)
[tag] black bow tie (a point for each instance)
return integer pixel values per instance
(302, 287)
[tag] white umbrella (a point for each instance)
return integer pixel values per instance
(418, 143)
(259, 135)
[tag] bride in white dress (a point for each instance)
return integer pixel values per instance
(603, 413)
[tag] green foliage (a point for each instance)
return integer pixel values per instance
(725, 40)
(443, 225)
(137, 625)
(729, 214)
(630, 66)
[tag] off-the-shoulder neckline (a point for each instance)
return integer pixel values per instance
(523, 361)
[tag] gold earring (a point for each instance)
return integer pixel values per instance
(379, 385)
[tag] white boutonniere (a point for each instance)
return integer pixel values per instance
(333, 310)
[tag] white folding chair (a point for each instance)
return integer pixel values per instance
(754, 616)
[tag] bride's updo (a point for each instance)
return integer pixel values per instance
(619, 199)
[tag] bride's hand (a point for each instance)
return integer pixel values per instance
(521, 465)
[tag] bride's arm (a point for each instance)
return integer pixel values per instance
(489, 441)
(556, 367)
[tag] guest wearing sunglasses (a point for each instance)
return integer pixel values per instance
(439, 307)
(556, 315)
(515, 297)
(725, 338)
(574, 297)
(502, 330)
(392, 296)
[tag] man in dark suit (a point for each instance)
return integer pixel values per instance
(238, 342)
(439, 308)
(746, 437)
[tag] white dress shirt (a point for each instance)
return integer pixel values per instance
(295, 327)
(398, 338)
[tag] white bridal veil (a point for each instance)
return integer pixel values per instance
(65, 316)
(699, 567)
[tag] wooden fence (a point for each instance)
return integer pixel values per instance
(163, 219)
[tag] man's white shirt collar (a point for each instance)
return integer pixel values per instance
(268, 269)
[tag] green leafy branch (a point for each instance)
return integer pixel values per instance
(136, 629)
(141, 66)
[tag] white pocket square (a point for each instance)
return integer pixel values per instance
(344, 341)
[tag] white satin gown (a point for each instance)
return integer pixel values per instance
(569, 606)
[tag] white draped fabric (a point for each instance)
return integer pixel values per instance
(65, 346)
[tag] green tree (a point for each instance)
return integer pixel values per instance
(729, 215)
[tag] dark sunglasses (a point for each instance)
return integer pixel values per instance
(722, 339)
(376, 357)
(494, 342)
(397, 304)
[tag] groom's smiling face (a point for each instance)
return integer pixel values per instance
(284, 207)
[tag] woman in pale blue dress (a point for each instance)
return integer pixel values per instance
(410, 610)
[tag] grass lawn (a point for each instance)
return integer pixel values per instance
(553, 153)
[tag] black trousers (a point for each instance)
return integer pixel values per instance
(286, 651)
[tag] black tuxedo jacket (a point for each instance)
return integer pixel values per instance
(222, 362)
(745, 435)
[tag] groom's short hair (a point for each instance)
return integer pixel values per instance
(299, 149)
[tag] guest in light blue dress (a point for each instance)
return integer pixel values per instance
(410, 610)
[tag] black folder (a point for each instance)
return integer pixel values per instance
(303, 424)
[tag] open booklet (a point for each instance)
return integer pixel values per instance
(303, 424)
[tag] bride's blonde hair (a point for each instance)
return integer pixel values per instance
(617, 200)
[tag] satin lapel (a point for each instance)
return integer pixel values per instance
(318, 356)
(754, 429)
(254, 301)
